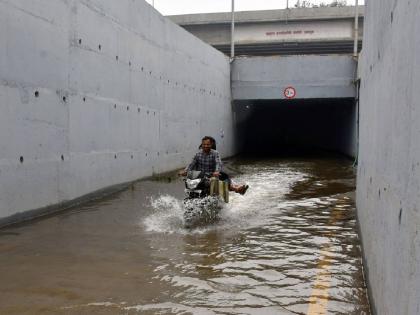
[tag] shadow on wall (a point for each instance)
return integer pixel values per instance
(290, 127)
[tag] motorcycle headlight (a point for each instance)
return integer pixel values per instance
(192, 183)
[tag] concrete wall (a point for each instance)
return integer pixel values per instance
(94, 93)
(388, 182)
(311, 76)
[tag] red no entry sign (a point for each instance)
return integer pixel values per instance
(289, 92)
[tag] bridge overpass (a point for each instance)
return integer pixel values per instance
(293, 82)
(305, 77)
(327, 30)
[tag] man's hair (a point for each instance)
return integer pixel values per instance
(213, 142)
(208, 138)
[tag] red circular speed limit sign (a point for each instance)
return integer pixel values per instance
(289, 92)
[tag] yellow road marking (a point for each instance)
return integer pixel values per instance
(318, 300)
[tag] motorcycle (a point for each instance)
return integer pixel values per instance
(204, 199)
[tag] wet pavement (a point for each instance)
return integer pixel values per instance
(289, 246)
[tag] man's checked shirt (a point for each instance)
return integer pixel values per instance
(207, 163)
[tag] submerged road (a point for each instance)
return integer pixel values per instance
(289, 246)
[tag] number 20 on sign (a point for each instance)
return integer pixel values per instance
(289, 92)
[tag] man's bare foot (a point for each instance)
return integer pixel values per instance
(240, 189)
(243, 189)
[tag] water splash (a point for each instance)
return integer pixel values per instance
(167, 216)
(241, 212)
(202, 211)
(262, 200)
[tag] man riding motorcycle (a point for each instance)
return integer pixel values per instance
(208, 161)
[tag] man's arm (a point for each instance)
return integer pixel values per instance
(219, 164)
(189, 167)
(192, 164)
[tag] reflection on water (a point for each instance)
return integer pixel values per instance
(289, 246)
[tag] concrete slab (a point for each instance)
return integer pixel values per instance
(309, 76)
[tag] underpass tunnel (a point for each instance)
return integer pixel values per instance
(289, 127)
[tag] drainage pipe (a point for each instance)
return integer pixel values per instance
(356, 29)
(232, 32)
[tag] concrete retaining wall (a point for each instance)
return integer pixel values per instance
(388, 183)
(311, 77)
(94, 93)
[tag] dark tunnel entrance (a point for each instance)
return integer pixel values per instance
(289, 127)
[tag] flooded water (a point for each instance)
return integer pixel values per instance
(289, 246)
